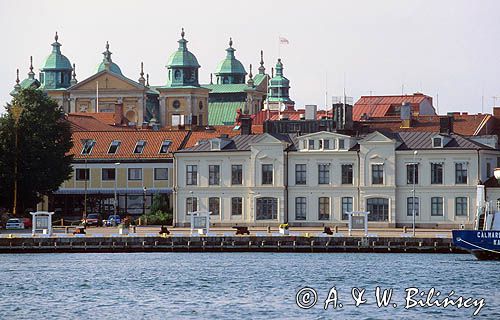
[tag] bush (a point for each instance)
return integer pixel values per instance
(157, 218)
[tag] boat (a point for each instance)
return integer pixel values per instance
(484, 240)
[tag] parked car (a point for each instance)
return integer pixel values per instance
(113, 220)
(14, 223)
(92, 219)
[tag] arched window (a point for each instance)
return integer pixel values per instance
(498, 204)
(267, 208)
(378, 208)
(177, 74)
(200, 105)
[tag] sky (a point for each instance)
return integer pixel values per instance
(446, 49)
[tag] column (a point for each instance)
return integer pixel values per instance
(163, 112)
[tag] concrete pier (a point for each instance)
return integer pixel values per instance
(318, 244)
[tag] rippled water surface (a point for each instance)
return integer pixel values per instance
(235, 285)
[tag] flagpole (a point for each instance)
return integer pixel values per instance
(97, 96)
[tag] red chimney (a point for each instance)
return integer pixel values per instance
(118, 114)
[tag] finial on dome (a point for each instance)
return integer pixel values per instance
(142, 68)
(147, 79)
(141, 79)
(107, 45)
(31, 63)
(231, 42)
(17, 77)
(250, 74)
(262, 69)
(182, 33)
(56, 37)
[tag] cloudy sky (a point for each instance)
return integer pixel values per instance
(446, 49)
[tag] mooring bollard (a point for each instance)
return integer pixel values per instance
(336, 228)
(404, 229)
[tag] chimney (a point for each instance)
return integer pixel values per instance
(311, 111)
(446, 124)
(406, 115)
(496, 111)
(118, 117)
(246, 124)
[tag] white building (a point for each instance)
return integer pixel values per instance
(313, 179)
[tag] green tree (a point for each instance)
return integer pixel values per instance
(44, 140)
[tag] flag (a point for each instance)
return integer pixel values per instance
(283, 40)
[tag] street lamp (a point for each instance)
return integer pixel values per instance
(16, 111)
(116, 179)
(144, 201)
(413, 197)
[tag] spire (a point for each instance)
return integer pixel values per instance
(141, 79)
(17, 86)
(279, 68)
(107, 57)
(182, 42)
(56, 46)
(147, 80)
(31, 74)
(230, 51)
(73, 76)
(250, 81)
(262, 69)
(211, 81)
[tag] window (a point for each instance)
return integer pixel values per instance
(236, 206)
(87, 146)
(191, 204)
(108, 174)
(214, 174)
(191, 175)
(300, 174)
(324, 208)
(324, 173)
(436, 206)
(82, 174)
(139, 147)
(346, 173)
(378, 208)
(461, 206)
(215, 144)
(176, 104)
(437, 142)
(236, 174)
(113, 147)
(412, 173)
(311, 144)
(134, 174)
(326, 144)
(300, 208)
(346, 207)
(267, 208)
(161, 173)
(200, 105)
(488, 169)
(377, 174)
(267, 174)
(436, 173)
(409, 206)
(320, 144)
(341, 144)
(214, 205)
(460, 173)
(165, 145)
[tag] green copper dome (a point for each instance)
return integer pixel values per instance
(56, 60)
(230, 65)
(182, 57)
(279, 86)
(107, 63)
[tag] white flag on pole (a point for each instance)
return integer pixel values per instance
(284, 40)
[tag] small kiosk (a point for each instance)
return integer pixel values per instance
(200, 220)
(42, 222)
(358, 220)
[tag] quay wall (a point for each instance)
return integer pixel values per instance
(227, 244)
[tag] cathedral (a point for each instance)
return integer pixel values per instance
(181, 101)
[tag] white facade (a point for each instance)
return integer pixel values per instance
(329, 173)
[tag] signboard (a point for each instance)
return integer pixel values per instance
(358, 220)
(200, 220)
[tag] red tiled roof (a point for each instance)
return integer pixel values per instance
(104, 117)
(215, 132)
(88, 122)
(128, 140)
(379, 106)
(263, 115)
(467, 125)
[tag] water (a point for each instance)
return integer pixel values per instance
(235, 285)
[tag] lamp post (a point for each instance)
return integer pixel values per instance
(16, 111)
(116, 179)
(144, 189)
(413, 197)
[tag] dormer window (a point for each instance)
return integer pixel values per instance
(341, 144)
(437, 142)
(87, 146)
(113, 147)
(215, 144)
(164, 146)
(139, 147)
(326, 144)
(311, 144)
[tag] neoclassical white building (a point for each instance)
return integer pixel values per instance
(313, 179)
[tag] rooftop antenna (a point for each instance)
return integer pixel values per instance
(437, 103)
(326, 91)
(482, 101)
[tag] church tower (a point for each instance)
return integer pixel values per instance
(56, 71)
(279, 87)
(230, 70)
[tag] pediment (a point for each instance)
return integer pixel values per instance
(107, 81)
(377, 137)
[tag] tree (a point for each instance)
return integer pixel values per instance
(44, 140)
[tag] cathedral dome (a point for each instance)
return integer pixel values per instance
(230, 65)
(182, 57)
(107, 63)
(56, 60)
